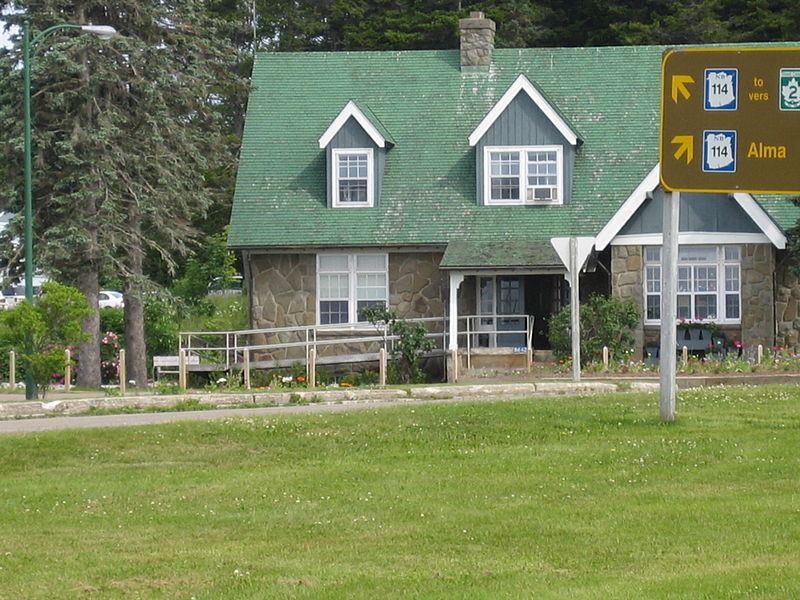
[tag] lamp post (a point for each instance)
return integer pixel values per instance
(104, 32)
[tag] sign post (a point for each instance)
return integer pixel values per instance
(730, 122)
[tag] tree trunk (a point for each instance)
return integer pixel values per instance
(136, 352)
(89, 351)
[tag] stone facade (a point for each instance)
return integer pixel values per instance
(283, 294)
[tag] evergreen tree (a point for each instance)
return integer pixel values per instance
(127, 136)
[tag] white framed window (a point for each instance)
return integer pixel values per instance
(523, 175)
(353, 179)
(346, 283)
(709, 283)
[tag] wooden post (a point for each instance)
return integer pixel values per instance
(685, 355)
(123, 372)
(605, 357)
(311, 369)
(182, 370)
(453, 370)
(12, 369)
(68, 371)
(382, 367)
(759, 354)
(247, 368)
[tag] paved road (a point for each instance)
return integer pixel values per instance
(134, 420)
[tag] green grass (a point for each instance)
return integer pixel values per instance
(550, 498)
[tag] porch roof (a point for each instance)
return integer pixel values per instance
(517, 254)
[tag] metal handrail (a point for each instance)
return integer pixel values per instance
(235, 342)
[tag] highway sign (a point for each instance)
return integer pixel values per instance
(730, 120)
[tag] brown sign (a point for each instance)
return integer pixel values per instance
(730, 120)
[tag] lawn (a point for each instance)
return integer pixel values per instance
(565, 497)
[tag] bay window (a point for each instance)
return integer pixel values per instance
(709, 283)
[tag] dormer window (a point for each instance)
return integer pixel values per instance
(353, 179)
(523, 175)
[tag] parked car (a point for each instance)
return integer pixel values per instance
(226, 285)
(110, 299)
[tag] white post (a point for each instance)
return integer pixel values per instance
(574, 311)
(382, 367)
(605, 357)
(453, 366)
(685, 354)
(68, 371)
(669, 304)
(455, 282)
(759, 354)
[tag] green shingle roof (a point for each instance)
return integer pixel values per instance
(610, 95)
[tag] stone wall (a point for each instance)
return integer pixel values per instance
(416, 285)
(787, 307)
(758, 302)
(627, 283)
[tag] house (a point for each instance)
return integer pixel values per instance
(436, 180)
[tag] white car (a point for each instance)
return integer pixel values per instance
(110, 299)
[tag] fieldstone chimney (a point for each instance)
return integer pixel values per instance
(477, 42)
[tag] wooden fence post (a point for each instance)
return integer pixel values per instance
(453, 366)
(68, 371)
(685, 355)
(759, 354)
(247, 368)
(382, 367)
(311, 369)
(123, 376)
(605, 357)
(12, 369)
(182, 370)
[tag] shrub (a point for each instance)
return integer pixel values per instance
(44, 330)
(605, 321)
(407, 350)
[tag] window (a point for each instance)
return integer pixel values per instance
(709, 283)
(525, 175)
(346, 283)
(352, 177)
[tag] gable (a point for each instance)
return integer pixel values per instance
(712, 213)
(522, 86)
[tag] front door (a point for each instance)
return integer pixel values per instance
(500, 298)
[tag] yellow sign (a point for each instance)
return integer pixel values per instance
(730, 120)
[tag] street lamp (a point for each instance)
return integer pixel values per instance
(104, 32)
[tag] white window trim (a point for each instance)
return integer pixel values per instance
(720, 293)
(523, 175)
(370, 177)
(352, 292)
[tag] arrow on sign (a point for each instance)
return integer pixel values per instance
(686, 146)
(679, 86)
